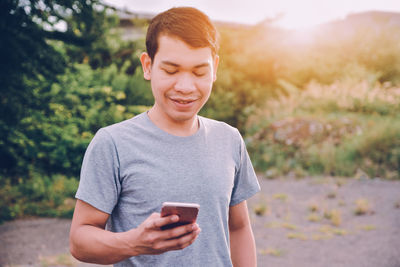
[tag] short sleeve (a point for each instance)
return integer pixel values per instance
(99, 183)
(246, 184)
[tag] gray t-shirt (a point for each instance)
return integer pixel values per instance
(132, 167)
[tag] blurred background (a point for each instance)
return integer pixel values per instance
(313, 88)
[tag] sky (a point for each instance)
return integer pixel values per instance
(290, 14)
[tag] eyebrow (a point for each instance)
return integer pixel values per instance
(166, 62)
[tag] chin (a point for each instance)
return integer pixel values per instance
(183, 117)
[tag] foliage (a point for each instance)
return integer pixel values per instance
(40, 195)
(332, 130)
(30, 63)
(79, 104)
(59, 86)
(53, 141)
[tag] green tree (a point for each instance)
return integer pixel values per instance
(30, 62)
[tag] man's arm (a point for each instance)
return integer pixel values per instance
(243, 248)
(90, 242)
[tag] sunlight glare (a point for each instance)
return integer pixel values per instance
(299, 21)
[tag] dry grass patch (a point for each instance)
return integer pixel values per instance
(318, 237)
(313, 207)
(261, 209)
(281, 196)
(362, 207)
(289, 226)
(273, 225)
(57, 260)
(314, 217)
(272, 251)
(297, 235)
(368, 227)
(334, 216)
(327, 229)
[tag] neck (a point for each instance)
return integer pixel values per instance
(177, 128)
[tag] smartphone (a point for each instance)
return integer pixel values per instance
(187, 213)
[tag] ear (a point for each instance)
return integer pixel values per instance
(146, 65)
(216, 62)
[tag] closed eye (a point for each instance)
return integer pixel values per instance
(199, 74)
(170, 72)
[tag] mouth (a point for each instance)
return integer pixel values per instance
(183, 101)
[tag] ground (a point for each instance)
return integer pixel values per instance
(309, 222)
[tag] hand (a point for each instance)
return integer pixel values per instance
(148, 238)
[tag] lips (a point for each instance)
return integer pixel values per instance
(183, 101)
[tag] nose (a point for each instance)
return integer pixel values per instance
(185, 84)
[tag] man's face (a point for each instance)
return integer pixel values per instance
(181, 78)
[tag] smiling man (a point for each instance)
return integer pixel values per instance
(168, 153)
(181, 80)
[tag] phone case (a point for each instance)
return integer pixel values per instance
(187, 213)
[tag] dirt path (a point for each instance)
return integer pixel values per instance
(291, 234)
(309, 222)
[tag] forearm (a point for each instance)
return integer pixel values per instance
(95, 245)
(243, 248)
(91, 243)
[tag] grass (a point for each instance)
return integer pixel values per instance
(327, 229)
(313, 207)
(273, 224)
(318, 237)
(334, 216)
(281, 196)
(57, 260)
(368, 227)
(39, 195)
(314, 217)
(338, 231)
(261, 209)
(331, 130)
(272, 251)
(289, 226)
(362, 206)
(296, 235)
(285, 225)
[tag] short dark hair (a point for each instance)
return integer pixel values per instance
(187, 23)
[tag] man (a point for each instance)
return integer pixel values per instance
(168, 154)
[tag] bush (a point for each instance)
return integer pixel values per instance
(50, 143)
(332, 130)
(54, 140)
(38, 195)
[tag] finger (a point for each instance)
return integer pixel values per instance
(181, 242)
(149, 222)
(162, 221)
(180, 231)
(177, 231)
